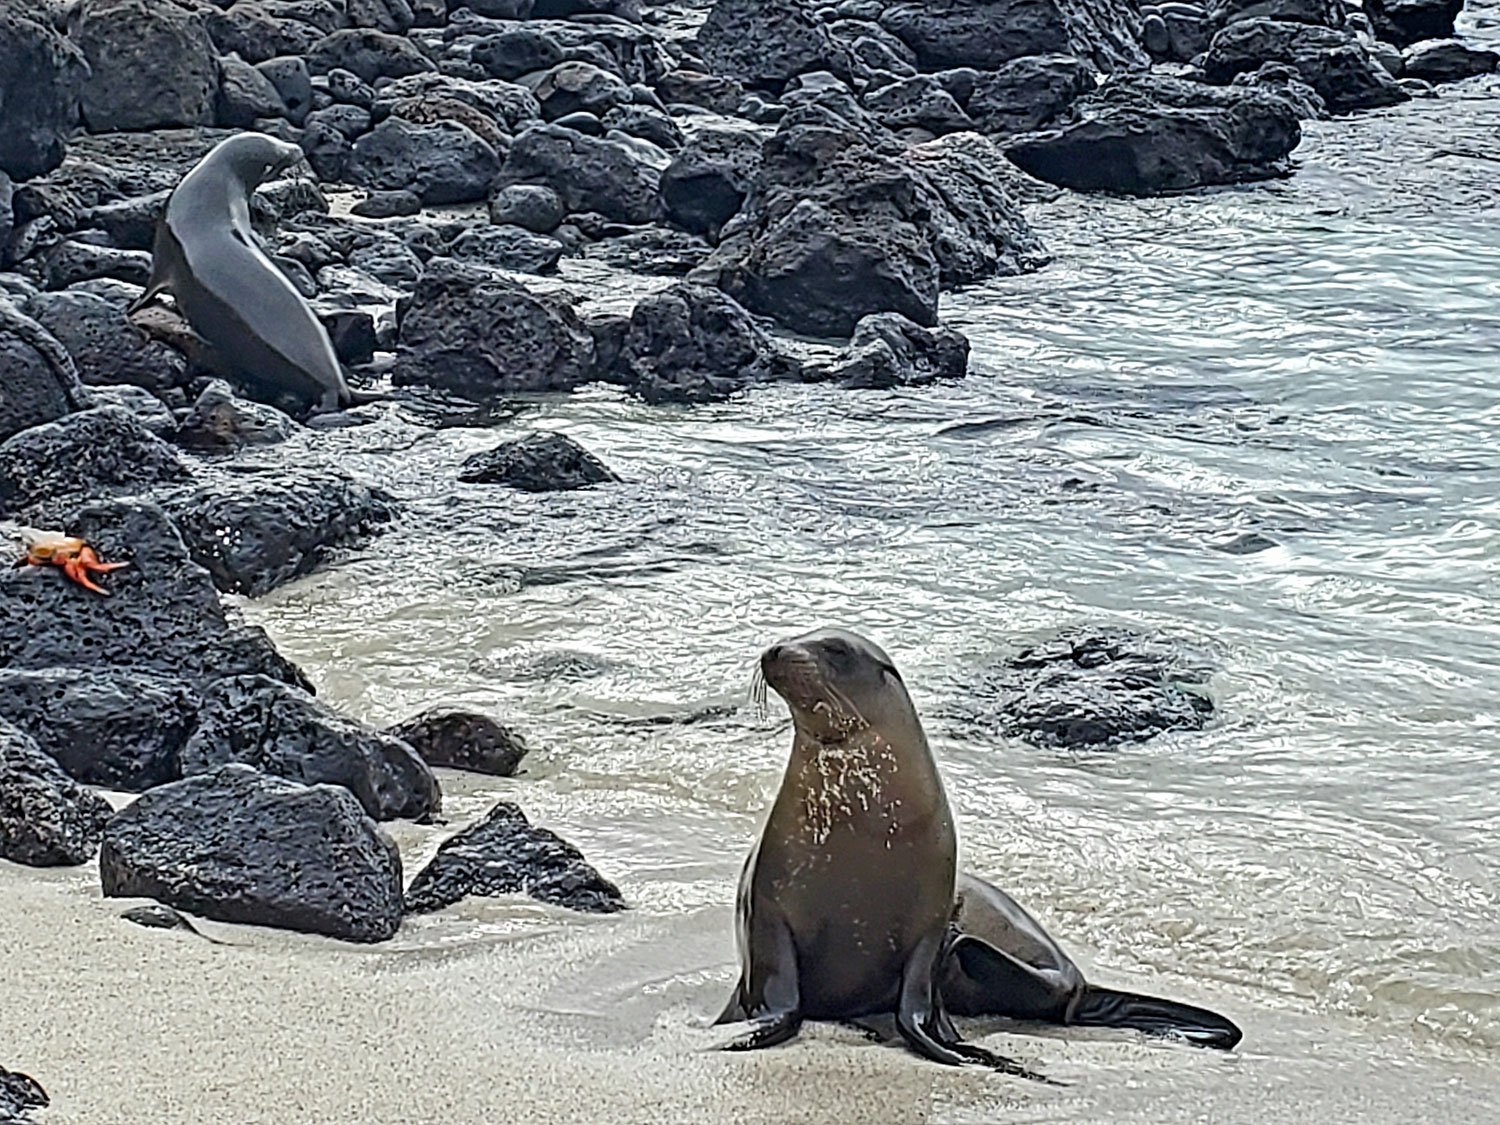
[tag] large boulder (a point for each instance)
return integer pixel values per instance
(471, 331)
(1404, 22)
(46, 818)
(152, 65)
(282, 730)
(462, 740)
(887, 350)
(369, 54)
(1446, 60)
(443, 162)
(504, 854)
(707, 181)
(598, 174)
(36, 387)
(106, 347)
(768, 42)
(41, 78)
(237, 845)
(1027, 93)
(692, 343)
(540, 462)
(1151, 134)
(986, 34)
(1333, 62)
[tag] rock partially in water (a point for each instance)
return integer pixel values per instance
(707, 181)
(987, 34)
(119, 728)
(19, 1093)
(282, 730)
(152, 65)
(462, 740)
(46, 818)
(541, 462)
(106, 347)
(504, 854)
(1333, 62)
(1284, 82)
(1446, 60)
(222, 422)
(1404, 22)
(41, 78)
(443, 162)
(1087, 689)
(599, 174)
(768, 42)
(237, 845)
(254, 533)
(1151, 134)
(887, 350)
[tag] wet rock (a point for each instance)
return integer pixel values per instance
(472, 332)
(119, 728)
(41, 79)
(18, 1094)
(692, 343)
(505, 854)
(259, 532)
(987, 34)
(1333, 63)
(1446, 60)
(46, 818)
(33, 391)
(369, 54)
(768, 42)
(100, 452)
(1151, 134)
(282, 730)
(163, 614)
(887, 350)
(1285, 83)
(1027, 93)
(705, 185)
(442, 163)
(293, 85)
(573, 87)
(541, 462)
(222, 422)
(587, 173)
(70, 262)
(462, 740)
(239, 846)
(245, 95)
(1087, 689)
(508, 247)
(152, 65)
(1404, 22)
(532, 207)
(106, 347)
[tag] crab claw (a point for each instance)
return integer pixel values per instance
(85, 560)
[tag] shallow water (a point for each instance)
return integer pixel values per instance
(1310, 361)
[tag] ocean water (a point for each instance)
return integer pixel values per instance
(1261, 422)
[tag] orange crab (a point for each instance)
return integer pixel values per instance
(75, 557)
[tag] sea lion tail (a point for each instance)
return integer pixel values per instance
(1104, 1007)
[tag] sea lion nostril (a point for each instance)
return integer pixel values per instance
(773, 654)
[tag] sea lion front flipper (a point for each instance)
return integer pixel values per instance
(993, 982)
(1105, 1007)
(768, 993)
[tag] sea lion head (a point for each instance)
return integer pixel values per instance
(253, 158)
(838, 684)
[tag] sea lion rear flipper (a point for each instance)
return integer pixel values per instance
(992, 982)
(154, 289)
(1105, 1007)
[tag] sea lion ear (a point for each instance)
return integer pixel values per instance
(895, 675)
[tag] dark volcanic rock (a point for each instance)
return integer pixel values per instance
(18, 1094)
(1087, 689)
(989, 33)
(369, 54)
(106, 348)
(152, 65)
(512, 52)
(692, 343)
(33, 390)
(256, 533)
(504, 854)
(387, 204)
(1027, 93)
(1334, 63)
(588, 173)
(41, 77)
(1283, 82)
(118, 728)
(573, 87)
(658, 251)
(282, 730)
(768, 42)
(887, 350)
(293, 84)
(507, 247)
(646, 122)
(444, 162)
(462, 740)
(533, 207)
(92, 453)
(1150, 134)
(471, 331)
(1404, 22)
(1446, 60)
(919, 102)
(239, 846)
(46, 818)
(706, 183)
(541, 462)
(221, 422)
(1325, 13)
(245, 95)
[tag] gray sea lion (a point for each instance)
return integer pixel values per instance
(264, 335)
(1002, 962)
(845, 902)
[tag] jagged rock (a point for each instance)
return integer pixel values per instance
(119, 728)
(1404, 22)
(1284, 82)
(282, 730)
(369, 54)
(1027, 93)
(587, 173)
(33, 391)
(533, 207)
(768, 42)
(1150, 134)
(46, 818)
(444, 162)
(221, 422)
(989, 33)
(471, 331)
(106, 348)
(152, 65)
(41, 79)
(239, 846)
(705, 185)
(508, 247)
(541, 462)
(92, 453)
(505, 854)
(1334, 63)
(1446, 60)
(887, 350)
(462, 740)
(260, 532)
